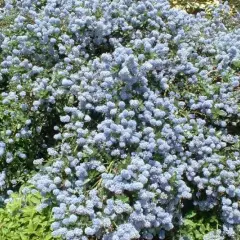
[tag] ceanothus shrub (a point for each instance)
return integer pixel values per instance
(141, 104)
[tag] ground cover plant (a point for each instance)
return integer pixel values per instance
(20, 220)
(124, 116)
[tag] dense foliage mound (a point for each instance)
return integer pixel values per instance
(125, 113)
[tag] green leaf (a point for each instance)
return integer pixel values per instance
(123, 198)
(198, 235)
(23, 236)
(35, 199)
(188, 222)
(202, 229)
(191, 214)
(236, 63)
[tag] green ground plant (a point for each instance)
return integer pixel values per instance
(20, 219)
(197, 224)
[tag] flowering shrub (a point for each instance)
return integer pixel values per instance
(126, 110)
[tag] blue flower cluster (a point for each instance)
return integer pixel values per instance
(215, 235)
(137, 106)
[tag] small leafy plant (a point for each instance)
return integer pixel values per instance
(197, 224)
(20, 220)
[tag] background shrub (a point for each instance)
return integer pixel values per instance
(202, 5)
